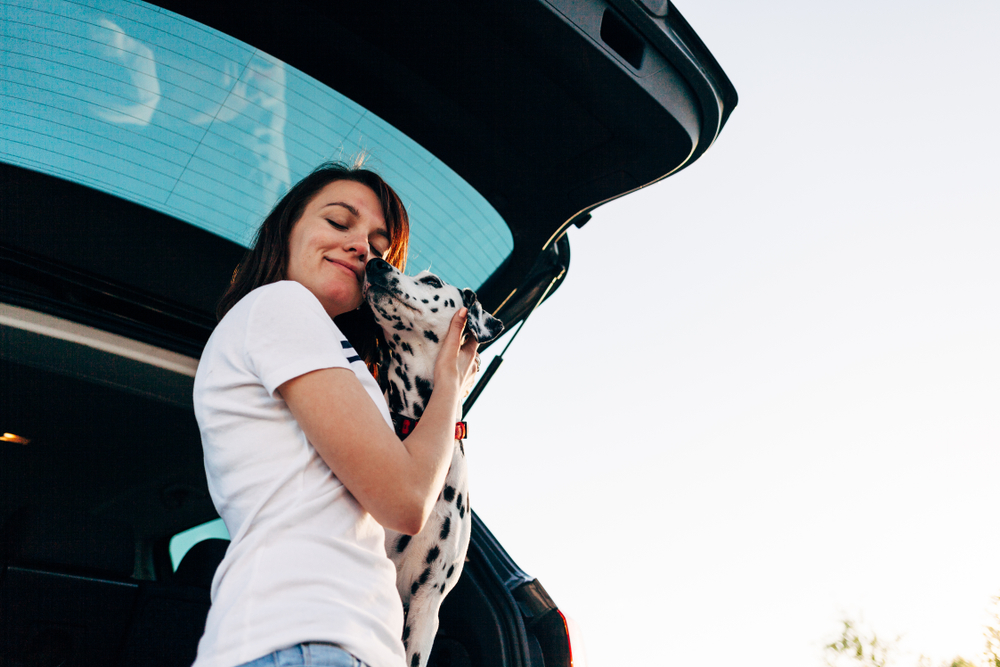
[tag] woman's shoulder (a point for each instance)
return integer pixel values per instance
(283, 289)
(286, 308)
(281, 295)
(274, 306)
(276, 314)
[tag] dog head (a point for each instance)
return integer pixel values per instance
(421, 306)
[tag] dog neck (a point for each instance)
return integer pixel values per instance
(410, 376)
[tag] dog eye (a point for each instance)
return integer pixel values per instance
(432, 281)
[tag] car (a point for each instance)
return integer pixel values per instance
(140, 144)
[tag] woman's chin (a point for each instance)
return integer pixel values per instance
(337, 298)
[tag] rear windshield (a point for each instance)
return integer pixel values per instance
(150, 106)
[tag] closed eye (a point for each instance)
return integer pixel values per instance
(336, 225)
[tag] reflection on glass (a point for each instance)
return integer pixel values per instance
(138, 90)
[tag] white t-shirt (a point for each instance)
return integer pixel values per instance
(306, 562)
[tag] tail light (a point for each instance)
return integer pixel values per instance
(558, 636)
(577, 654)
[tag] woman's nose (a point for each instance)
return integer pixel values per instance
(359, 244)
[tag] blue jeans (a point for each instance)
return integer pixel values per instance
(307, 655)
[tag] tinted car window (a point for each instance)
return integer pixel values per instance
(145, 104)
(182, 542)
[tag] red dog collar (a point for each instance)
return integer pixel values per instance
(405, 425)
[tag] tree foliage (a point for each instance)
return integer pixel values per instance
(859, 647)
(992, 635)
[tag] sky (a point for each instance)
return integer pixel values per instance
(766, 397)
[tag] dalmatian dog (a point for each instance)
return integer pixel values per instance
(415, 313)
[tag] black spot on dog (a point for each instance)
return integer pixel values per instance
(449, 493)
(429, 335)
(442, 588)
(432, 555)
(423, 388)
(437, 296)
(399, 326)
(414, 588)
(396, 398)
(451, 571)
(403, 376)
(415, 661)
(460, 505)
(395, 337)
(434, 310)
(424, 576)
(423, 301)
(406, 348)
(402, 543)
(445, 528)
(406, 633)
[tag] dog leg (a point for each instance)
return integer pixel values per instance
(421, 627)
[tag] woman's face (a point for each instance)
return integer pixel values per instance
(341, 228)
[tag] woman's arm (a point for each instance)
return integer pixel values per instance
(396, 481)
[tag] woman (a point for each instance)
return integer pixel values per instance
(302, 462)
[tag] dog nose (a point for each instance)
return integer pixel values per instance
(378, 266)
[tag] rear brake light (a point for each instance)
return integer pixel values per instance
(577, 655)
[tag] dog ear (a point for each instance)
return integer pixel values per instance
(480, 324)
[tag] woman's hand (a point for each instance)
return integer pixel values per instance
(457, 361)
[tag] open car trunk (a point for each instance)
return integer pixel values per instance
(546, 109)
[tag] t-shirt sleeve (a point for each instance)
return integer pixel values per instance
(289, 334)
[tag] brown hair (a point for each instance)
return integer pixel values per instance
(266, 261)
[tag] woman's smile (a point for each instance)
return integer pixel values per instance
(356, 272)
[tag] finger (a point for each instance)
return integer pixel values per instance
(453, 339)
